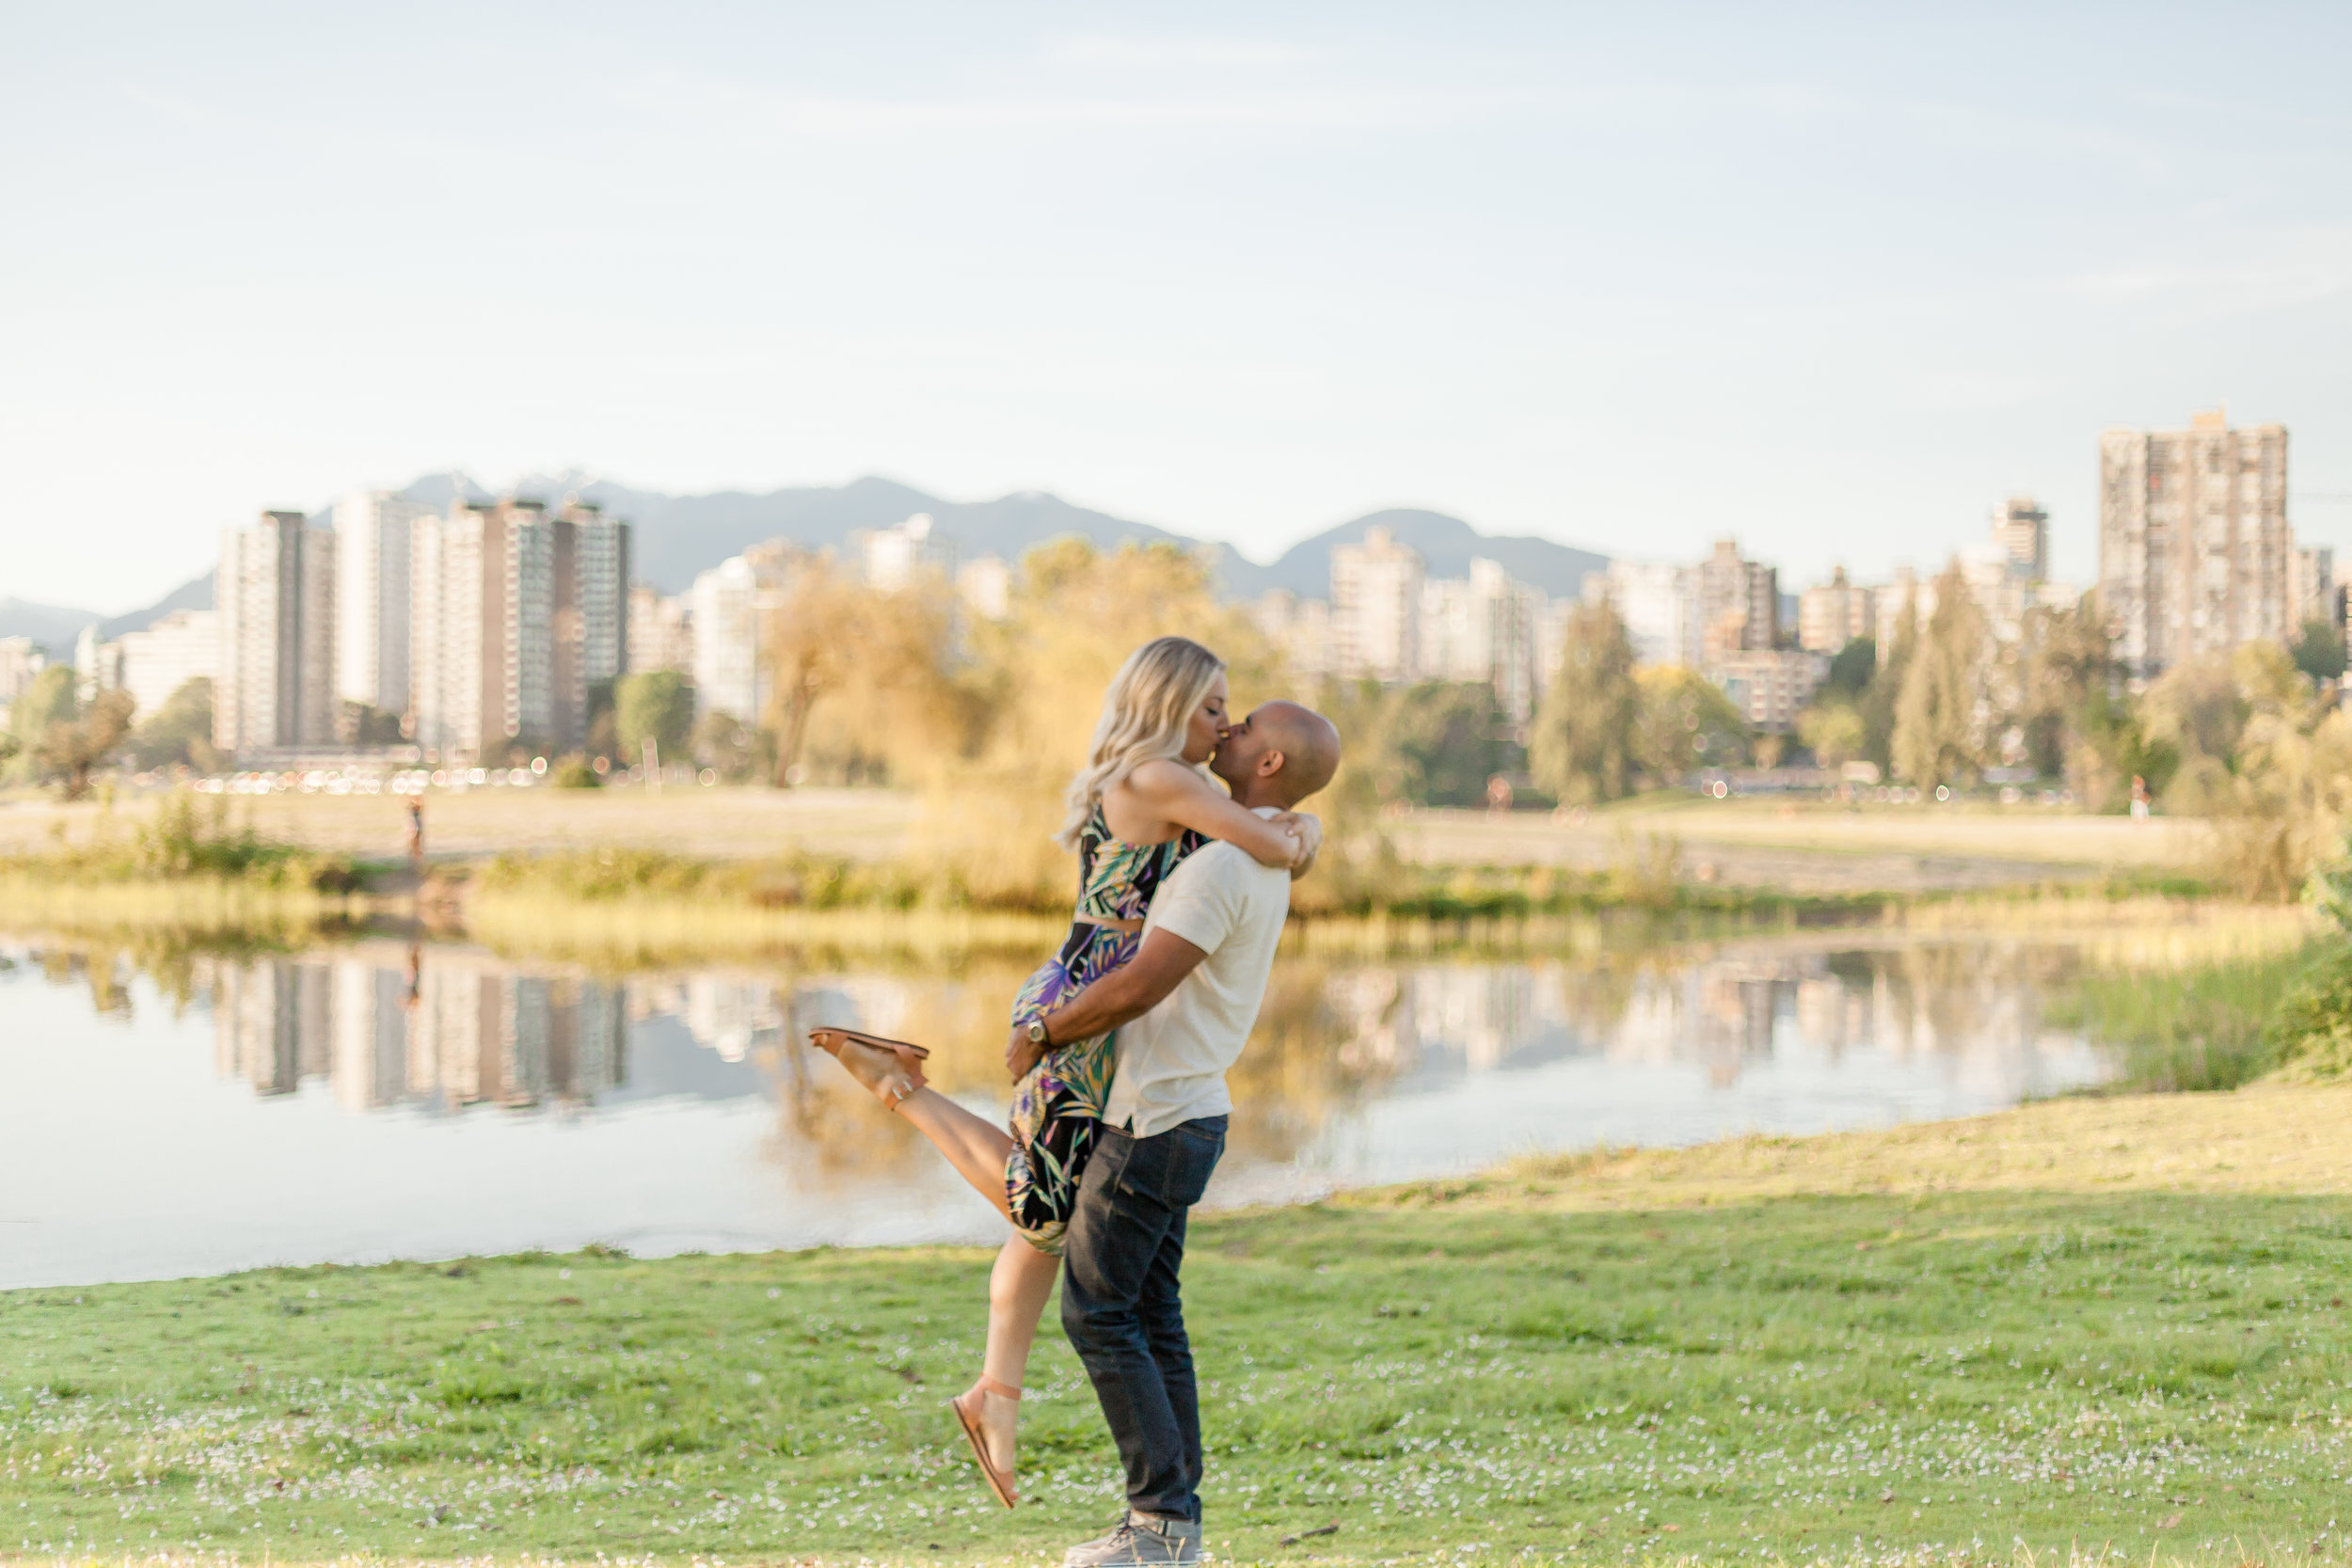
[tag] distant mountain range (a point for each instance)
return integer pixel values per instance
(57, 626)
(674, 537)
(677, 536)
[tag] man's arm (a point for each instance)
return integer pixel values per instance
(1124, 995)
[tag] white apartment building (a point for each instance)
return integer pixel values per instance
(1301, 628)
(152, 664)
(1486, 628)
(1375, 608)
(724, 605)
(729, 606)
(20, 659)
(2194, 544)
(1834, 613)
(660, 631)
(97, 667)
(1739, 602)
(275, 600)
(984, 585)
(375, 551)
(1906, 590)
(892, 558)
(594, 590)
(447, 640)
(1551, 634)
(2021, 529)
(1659, 606)
(513, 616)
(1770, 686)
(2312, 590)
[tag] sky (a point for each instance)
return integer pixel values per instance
(1829, 279)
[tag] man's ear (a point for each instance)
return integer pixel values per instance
(1269, 763)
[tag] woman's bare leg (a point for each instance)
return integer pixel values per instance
(1017, 1288)
(1021, 1277)
(977, 1148)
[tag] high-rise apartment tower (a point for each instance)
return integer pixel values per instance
(1376, 607)
(275, 596)
(2022, 529)
(374, 550)
(2194, 546)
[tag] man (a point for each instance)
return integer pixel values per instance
(1183, 1006)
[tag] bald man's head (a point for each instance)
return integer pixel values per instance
(1279, 755)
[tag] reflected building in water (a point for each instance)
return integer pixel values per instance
(443, 1034)
(444, 1028)
(1975, 1010)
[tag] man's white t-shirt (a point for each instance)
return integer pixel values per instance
(1172, 1060)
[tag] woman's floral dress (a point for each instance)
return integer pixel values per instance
(1057, 1105)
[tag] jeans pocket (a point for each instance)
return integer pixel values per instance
(1198, 1149)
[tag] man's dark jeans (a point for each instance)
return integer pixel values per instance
(1121, 1309)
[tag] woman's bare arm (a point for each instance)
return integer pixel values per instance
(1179, 796)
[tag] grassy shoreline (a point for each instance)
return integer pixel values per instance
(2101, 1326)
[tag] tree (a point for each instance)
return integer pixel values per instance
(726, 743)
(604, 732)
(1434, 744)
(2070, 659)
(1884, 692)
(2319, 649)
(829, 636)
(1851, 669)
(1936, 716)
(2115, 749)
(2197, 707)
(49, 700)
(1581, 750)
(365, 724)
(179, 733)
(1833, 732)
(1685, 722)
(71, 749)
(657, 705)
(1011, 726)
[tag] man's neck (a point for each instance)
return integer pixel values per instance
(1255, 793)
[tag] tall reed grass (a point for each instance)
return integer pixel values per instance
(2214, 1026)
(196, 905)
(183, 842)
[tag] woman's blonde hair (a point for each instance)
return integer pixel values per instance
(1145, 715)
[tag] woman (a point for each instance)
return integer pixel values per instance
(1136, 808)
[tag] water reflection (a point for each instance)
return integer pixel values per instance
(697, 1111)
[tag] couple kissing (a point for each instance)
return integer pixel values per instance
(1118, 1049)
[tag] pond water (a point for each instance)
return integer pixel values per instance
(182, 1114)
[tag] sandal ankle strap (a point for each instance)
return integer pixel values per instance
(1003, 1391)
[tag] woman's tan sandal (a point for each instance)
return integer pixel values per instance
(968, 1416)
(892, 1070)
(907, 1047)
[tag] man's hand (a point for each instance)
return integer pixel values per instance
(1022, 1054)
(1124, 995)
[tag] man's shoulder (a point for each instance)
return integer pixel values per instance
(1222, 862)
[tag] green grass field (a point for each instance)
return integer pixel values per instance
(1753, 1349)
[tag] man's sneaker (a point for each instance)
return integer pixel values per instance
(1141, 1541)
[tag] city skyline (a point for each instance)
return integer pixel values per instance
(1828, 279)
(488, 628)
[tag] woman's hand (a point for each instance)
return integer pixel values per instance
(1022, 1053)
(1308, 829)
